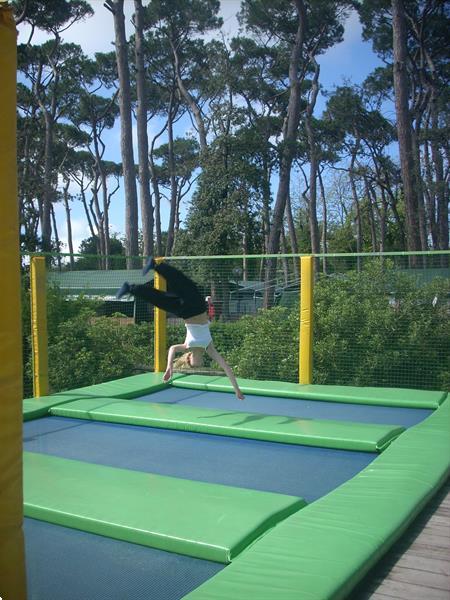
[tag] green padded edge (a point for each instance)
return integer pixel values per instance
(34, 408)
(126, 387)
(203, 520)
(363, 437)
(403, 397)
(196, 382)
(327, 548)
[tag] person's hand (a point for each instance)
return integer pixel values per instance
(168, 374)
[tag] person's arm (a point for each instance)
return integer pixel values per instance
(170, 356)
(215, 355)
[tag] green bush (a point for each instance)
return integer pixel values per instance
(268, 345)
(89, 349)
(60, 310)
(378, 327)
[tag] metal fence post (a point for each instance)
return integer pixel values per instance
(38, 284)
(306, 319)
(160, 323)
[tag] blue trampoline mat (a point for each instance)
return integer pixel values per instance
(67, 564)
(311, 409)
(302, 471)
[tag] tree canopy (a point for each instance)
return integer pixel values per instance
(230, 138)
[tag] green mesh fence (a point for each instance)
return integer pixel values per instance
(383, 321)
(379, 320)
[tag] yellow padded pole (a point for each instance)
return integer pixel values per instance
(160, 327)
(306, 319)
(12, 561)
(38, 298)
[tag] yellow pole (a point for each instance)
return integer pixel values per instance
(306, 319)
(160, 335)
(12, 560)
(38, 284)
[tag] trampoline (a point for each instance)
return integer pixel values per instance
(139, 489)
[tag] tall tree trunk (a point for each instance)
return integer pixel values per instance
(86, 210)
(49, 119)
(244, 254)
(441, 186)
(324, 223)
(430, 195)
(382, 214)
(392, 195)
(419, 187)
(312, 205)
(126, 135)
(141, 118)
(105, 213)
(371, 202)
(157, 196)
(292, 235)
(98, 217)
(358, 223)
(46, 227)
(266, 199)
(55, 231)
(284, 260)
(290, 130)
(190, 101)
(25, 197)
(68, 221)
(404, 126)
(173, 181)
(313, 161)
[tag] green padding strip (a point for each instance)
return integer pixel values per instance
(203, 520)
(323, 551)
(34, 408)
(330, 393)
(196, 382)
(289, 430)
(128, 387)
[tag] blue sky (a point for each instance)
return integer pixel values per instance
(352, 60)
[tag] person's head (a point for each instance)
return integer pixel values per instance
(196, 357)
(192, 359)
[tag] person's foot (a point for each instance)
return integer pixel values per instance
(149, 265)
(124, 290)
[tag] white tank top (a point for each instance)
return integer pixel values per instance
(197, 336)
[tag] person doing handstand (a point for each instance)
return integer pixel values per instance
(185, 301)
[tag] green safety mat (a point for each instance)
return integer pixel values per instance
(126, 387)
(34, 408)
(331, 393)
(203, 520)
(327, 548)
(340, 435)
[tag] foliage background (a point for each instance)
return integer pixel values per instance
(376, 327)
